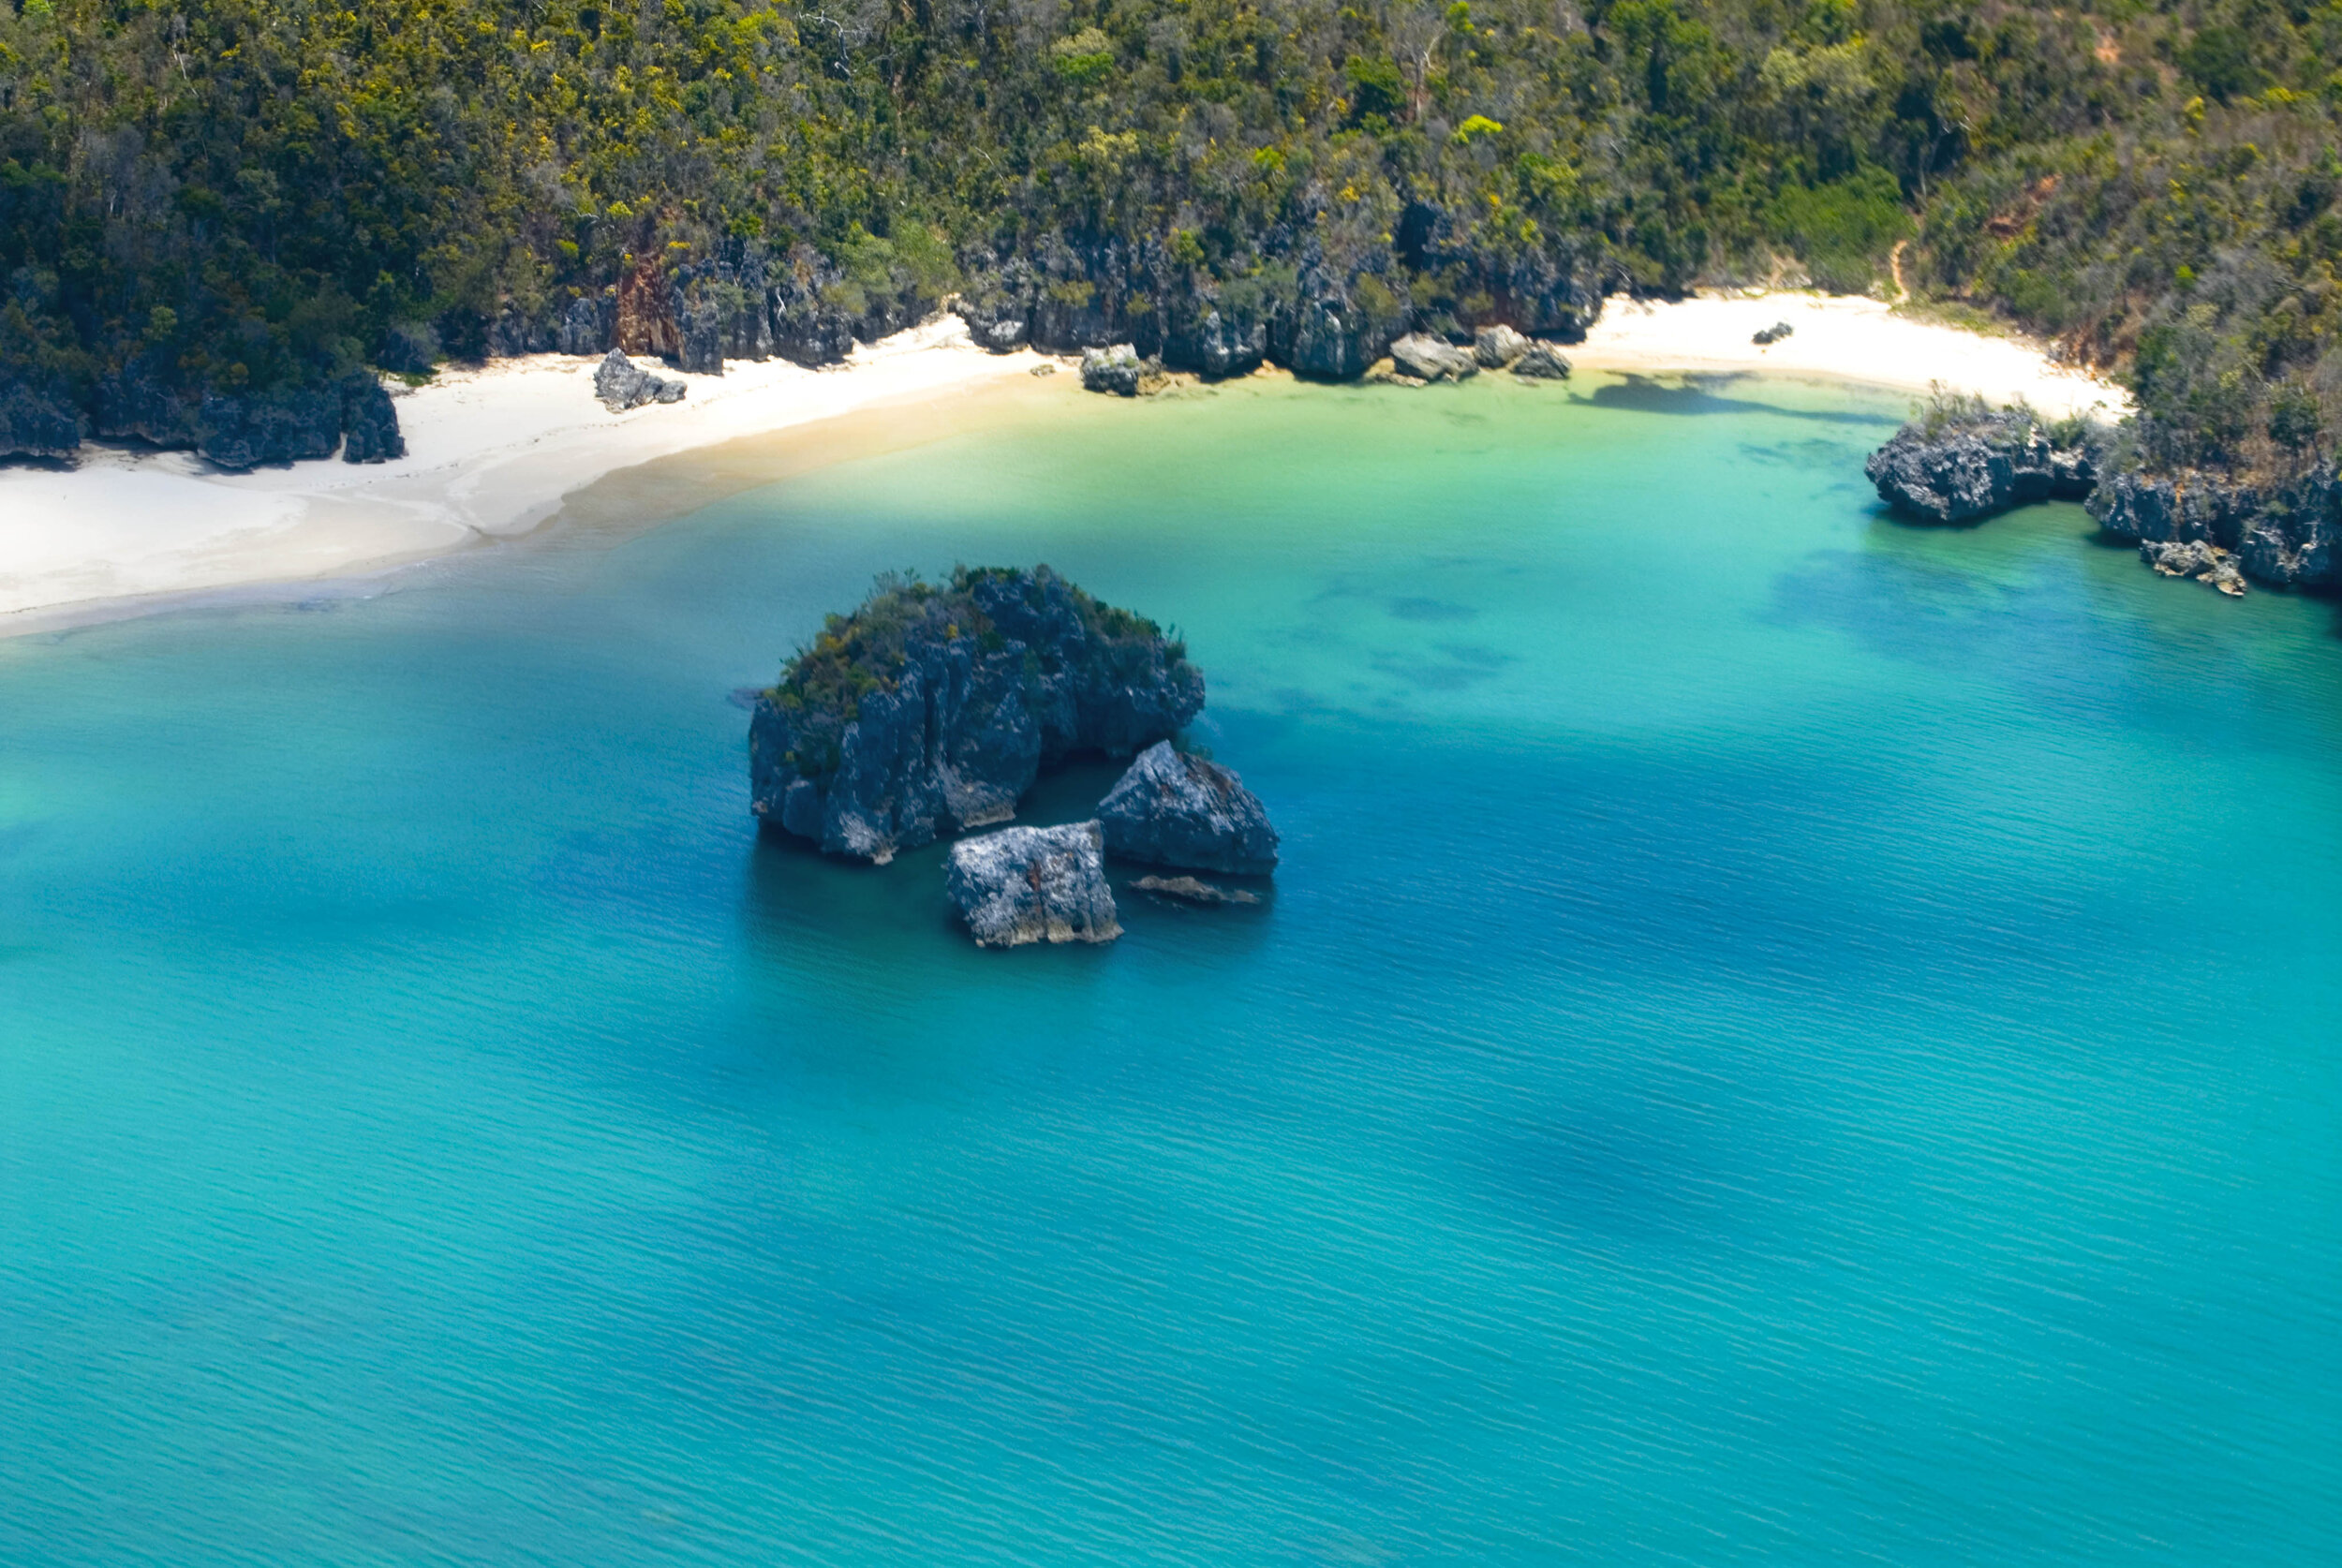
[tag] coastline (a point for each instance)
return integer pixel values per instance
(494, 452)
(1838, 337)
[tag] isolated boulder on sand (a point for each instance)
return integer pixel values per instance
(1025, 884)
(1172, 809)
(621, 384)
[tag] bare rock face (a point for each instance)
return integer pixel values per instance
(1979, 468)
(1025, 884)
(1497, 347)
(38, 416)
(932, 708)
(2207, 564)
(1541, 362)
(621, 384)
(1172, 809)
(1431, 359)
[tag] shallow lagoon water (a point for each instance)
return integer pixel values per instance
(1780, 1037)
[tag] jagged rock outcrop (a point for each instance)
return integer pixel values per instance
(286, 424)
(1025, 884)
(38, 416)
(1172, 809)
(1494, 348)
(587, 324)
(931, 709)
(2286, 533)
(1117, 371)
(2206, 563)
(1431, 359)
(1976, 468)
(1188, 890)
(1542, 361)
(1773, 334)
(370, 431)
(621, 384)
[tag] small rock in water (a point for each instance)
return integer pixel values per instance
(1773, 334)
(1118, 370)
(1192, 891)
(1172, 809)
(1541, 362)
(1025, 884)
(2206, 563)
(1431, 359)
(1497, 347)
(621, 384)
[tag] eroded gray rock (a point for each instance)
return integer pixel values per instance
(1025, 884)
(1431, 359)
(621, 384)
(1173, 809)
(1541, 362)
(1977, 469)
(1497, 347)
(1118, 370)
(1189, 891)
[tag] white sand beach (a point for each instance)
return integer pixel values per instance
(1838, 337)
(492, 451)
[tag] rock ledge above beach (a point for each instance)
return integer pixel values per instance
(1025, 884)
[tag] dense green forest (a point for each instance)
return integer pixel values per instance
(228, 199)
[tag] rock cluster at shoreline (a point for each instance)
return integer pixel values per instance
(2208, 527)
(351, 414)
(1978, 468)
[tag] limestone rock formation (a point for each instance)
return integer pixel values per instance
(2287, 533)
(1116, 370)
(621, 384)
(932, 708)
(1541, 362)
(1025, 884)
(1172, 809)
(1974, 468)
(1431, 359)
(370, 431)
(1497, 347)
(38, 416)
(2208, 564)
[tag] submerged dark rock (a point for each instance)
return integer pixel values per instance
(932, 708)
(1971, 468)
(1025, 884)
(1189, 891)
(1173, 809)
(621, 384)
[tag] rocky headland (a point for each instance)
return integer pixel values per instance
(932, 708)
(2214, 528)
(1025, 884)
(1968, 465)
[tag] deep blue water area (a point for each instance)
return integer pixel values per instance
(1779, 1037)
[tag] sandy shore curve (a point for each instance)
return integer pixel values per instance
(492, 451)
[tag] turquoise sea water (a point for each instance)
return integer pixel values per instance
(1780, 1037)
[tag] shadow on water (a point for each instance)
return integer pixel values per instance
(1699, 394)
